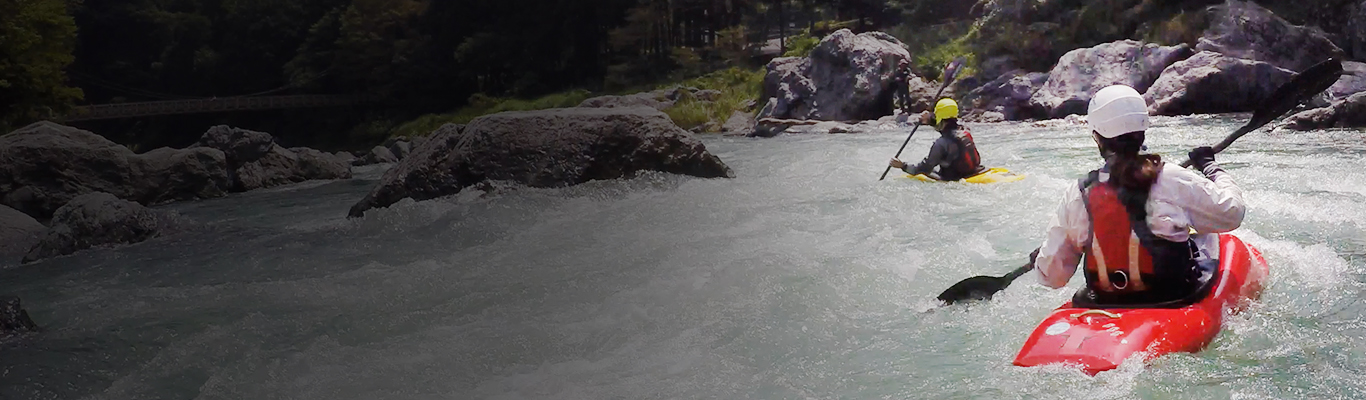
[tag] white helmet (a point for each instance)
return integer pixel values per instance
(1117, 110)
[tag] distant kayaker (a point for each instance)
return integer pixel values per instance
(954, 155)
(1145, 230)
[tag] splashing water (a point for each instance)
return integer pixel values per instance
(804, 277)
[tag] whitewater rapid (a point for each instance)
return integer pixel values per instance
(803, 277)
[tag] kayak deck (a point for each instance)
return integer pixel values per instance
(1101, 339)
(993, 175)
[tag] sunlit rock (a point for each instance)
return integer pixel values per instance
(1346, 113)
(1243, 29)
(1082, 72)
(1210, 83)
(848, 77)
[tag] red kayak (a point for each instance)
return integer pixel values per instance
(1099, 339)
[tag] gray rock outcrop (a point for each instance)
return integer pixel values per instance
(1210, 83)
(1356, 31)
(94, 219)
(848, 77)
(18, 232)
(1243, 29)
(1082, 72)
(547, 148)
(1006, 98)
(45, 165)
(1346, 113)
(165, 175)
(255, 161)
(1353, 81)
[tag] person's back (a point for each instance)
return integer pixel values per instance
(1132, 220)
(953, 156)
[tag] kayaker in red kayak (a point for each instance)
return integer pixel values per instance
(1130, 222)
(954, 155)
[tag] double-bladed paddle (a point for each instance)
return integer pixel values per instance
(950, 72)
(1302, 87)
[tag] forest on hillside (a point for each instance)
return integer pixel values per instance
(422, 56)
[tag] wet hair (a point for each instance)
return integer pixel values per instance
(948, 125)
(1128, 169)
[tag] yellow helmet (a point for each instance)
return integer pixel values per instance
(945, 109)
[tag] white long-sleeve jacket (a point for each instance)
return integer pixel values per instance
(1180, 200)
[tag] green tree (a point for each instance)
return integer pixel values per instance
(36, 42)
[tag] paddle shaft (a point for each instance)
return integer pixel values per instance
(950, 72)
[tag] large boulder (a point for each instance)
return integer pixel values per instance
(255, 161)
(18, 232)
(547, 148)
(1347, 113)
(94, 219)
(1356, 31)
(281, 166)
(847, 77)
(1243, 29)
(1006, 97)
(1082, 72)
(1210, 83)
(13, 318)
(165, 175)
(45, 165)
(240, 146)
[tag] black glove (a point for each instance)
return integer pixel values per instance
(1203, 159)
(1033, 256)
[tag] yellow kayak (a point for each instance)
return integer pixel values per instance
(994, 175)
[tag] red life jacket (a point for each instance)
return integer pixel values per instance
(968, 162)
(1125, 257)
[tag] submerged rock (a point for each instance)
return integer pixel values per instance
(1210, 83)
(13, 318)
(547, 148)
(1346, 113)
(1082, 72)
(18, 232)
(94, 219)
(1243, 29)
(848, 77)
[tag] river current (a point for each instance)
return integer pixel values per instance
(802, 278)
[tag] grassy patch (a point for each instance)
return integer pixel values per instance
(737, 86)
(481, 105)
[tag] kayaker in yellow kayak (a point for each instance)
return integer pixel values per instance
(954, 155)
(1147, 230)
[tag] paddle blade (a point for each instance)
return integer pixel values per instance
(1304, 86)
(951, 71)
(1301, 88)
(981, 287)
